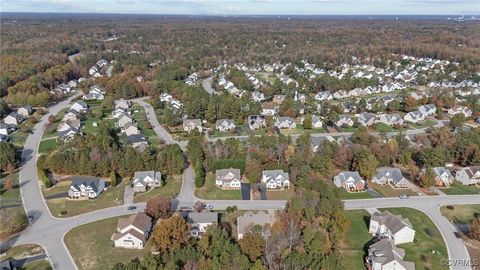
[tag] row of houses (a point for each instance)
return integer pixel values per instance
(94, 71)
(12, 121)
(231, 179)
(70, 124)
(95, 93)
(170, 101)
(124, 120)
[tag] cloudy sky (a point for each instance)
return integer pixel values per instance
(246, 7)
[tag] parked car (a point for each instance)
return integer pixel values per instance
(403, 196)
(208, 206)
(132, 208)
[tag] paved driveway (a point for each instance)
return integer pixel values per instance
(128, 195)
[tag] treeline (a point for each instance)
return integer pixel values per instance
(306, 236)
(100, 154)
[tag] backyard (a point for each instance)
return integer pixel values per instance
(356, 237)
(428, 250)
(91, 247)
(211, 192)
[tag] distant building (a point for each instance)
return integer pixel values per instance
(468, 175)
(443, 177)
(190, 124)
(225, 125)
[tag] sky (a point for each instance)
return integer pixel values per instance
(248, 7)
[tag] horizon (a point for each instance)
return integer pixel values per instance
(248, 7)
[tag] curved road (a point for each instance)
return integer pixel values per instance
(48, 231)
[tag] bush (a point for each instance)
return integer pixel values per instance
(450, 207)
(199, 175)
(44, 178)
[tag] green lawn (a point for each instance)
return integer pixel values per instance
(461, 214)
(210, 192)
(23, 251)
(281, 194)
(427, 239)
(459, 189)
(170, 189)
(356, 237)
(348, 129)
(345, 195)
(9, 194)
(388, 191)
(301, 130)
(381, 127)
(91, 247)
(113, 196)
(47, 145)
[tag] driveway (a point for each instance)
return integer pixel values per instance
(207, 86)
(57, 196)
(128, 195)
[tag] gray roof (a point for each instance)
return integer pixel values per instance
(86, 181)
(136, 138)
(343, 176)
(196, 122)
(438, 171)
(203, 217)
(385, 251)
(228, 175)
(364, 118)
(224, 121)
(143, 174)
(392, 174)
(394, 223)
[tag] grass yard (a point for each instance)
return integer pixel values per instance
(12, 193)
(60, 187)
(113, 196)
(461, 214)
(23, 251)
(459, 189)
(348, 129)
(47, 145)
(301, 130)
(427, 239)
(388, 191)
(356, 237)
(211, 192)
(170, 189)
(284, 194)
(381, 127)
(91, 247)
(345, 195)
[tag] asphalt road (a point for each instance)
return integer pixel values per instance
(48, 231)
(207, 85)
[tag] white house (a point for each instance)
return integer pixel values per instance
(393, 176)
(460, 109)
(390, 119)
(443, 177)
(384, 255)
(275, 179)
(25, 111)
(191, 124)
(256, 122)
(366, 119)
(285, 123)
(468, 175)
(428, 109)
(79, 107)
(269, 109)
(344, 120)
(414, 117)
(228, 178)
(133, 231)
(199, 222)
(146, 179)
(325, 95)
(258, 96)
(391, 226)
(225, 125)
(13, 119)
(350, 181)
(86, 188)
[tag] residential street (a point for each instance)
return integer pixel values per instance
(207, 85)
(49, 231)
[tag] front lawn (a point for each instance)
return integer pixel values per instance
(301, 130)
(345, 195)
(47, 145)
(459, 189)
(24, 251)
(91, 247)
(388, 191)
(348, 129)
(356, 237)
(427, 240)
(211, 192)
(113, 196)
(382, 127)
(461, 214)
(281, 194)
(170, 189)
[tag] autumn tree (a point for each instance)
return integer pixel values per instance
(252, 245)
(307, 121)
(170, 234)
(428, 178)
(8, 157)
(474, 232)
(158, 207)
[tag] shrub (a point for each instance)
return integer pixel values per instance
(44, 178)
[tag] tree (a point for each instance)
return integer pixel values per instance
(410, 104)
(8, 183)
(158, 207)
(474, 232)
(428, 178)
(307, 121)
(199, 175)
(8, 157)
(457, 120)
(365, 163)
(252, 245)
(113, 178)
(170, 234)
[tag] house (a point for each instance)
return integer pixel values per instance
(414, 117)
(278, 99)
(460, 109)
(269, 109)
(285, 123)
(390, 226)
(133, 231)
(392, 176)
(14, 119)
(384, 255)
(443, 177)
(256, 122)
(366, 119)
(73, 83)
(228, 178)
(344, 120)
(316, 121)
(146, 179)
(86, 188)
(130, 129)
(64, 88)
(325, 95)
(25, 111)
(225, 125)
(93, 96)
(122, 104)
(247, 221)
(468, 175)
(428, 109)
(316, 142)
(123, 120)
(118, 112)
(199, 222)
(341, 94)
(79, 107)
(258, 96)
(350, 181)
(138, 142)
(275, 179)
(390, 119)
(6, 129)
(191, 124)
(68, 128)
